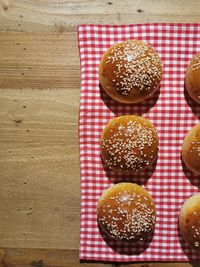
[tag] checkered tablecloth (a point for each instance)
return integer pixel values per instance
(171, 111)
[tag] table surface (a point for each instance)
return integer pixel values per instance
(39, 103)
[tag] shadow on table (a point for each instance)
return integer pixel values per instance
(120, 109)
(126, 247)
(195, 263)
(195, 107)
(140, 178)
(193, 178)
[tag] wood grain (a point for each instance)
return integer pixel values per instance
(38, 61)
(64, 258)
(59, 15)
(38, 141)
(40, 175)
(43, 258)
(39, 102)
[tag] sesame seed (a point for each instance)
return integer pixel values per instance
(196, 62)
(195, 150)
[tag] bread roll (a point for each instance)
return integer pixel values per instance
(192, 81)
(189, 221)
(126, 211)
(129, 143)
(130, 71)
(191, 149)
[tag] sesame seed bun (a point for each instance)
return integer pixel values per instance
(191, 149)
(192, 80)
(189, 221)
(126, 211)
(130, 72)
(129, 143)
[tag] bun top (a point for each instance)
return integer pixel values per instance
(130, 71)
(126, 211)
(191, 149)
(193, 78)
(189, 221)
(129, 143)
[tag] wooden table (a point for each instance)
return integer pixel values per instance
(39, 102)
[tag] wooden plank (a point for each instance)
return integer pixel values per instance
(2, 256)
(37, 61)
(40, 190)
(43, 258)
(64, 258)
(40, 198)
(59, 15)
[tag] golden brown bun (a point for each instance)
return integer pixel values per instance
(189, 221)
(130, 71)
(129, 143)
(126, 212)
(192, 81)
(191, 149)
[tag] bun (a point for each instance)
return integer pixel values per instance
(191, 149)
(130, 71)
(129, 143)
(192, 81)
(189, 221)
(126, 211)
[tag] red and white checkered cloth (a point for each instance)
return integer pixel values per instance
(173, 113)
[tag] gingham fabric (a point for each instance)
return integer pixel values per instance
(171, 111)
